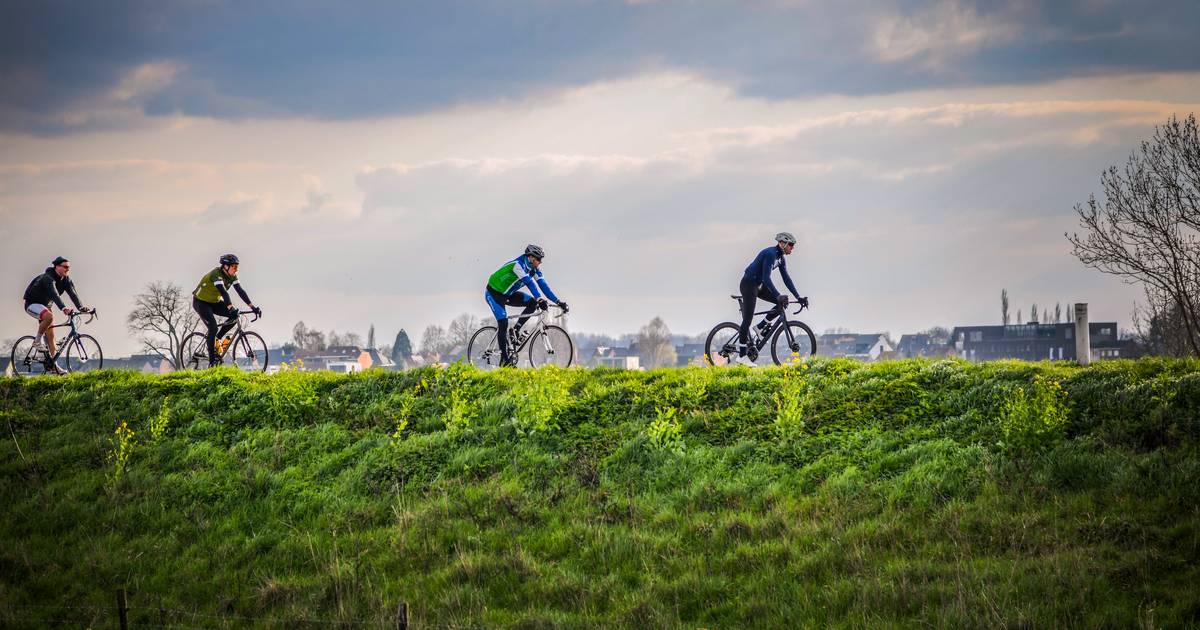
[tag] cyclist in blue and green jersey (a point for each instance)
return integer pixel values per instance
(211, 298)
(504, 289)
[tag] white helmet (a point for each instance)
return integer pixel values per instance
(785, 237)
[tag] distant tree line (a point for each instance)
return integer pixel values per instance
(1046, 316)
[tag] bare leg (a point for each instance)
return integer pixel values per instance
(46, 328)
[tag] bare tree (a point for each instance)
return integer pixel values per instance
(307, 338)
(654, 344)
(1004, 306)
(344, 339)
(371, 337)
(1147, 228)
(433, 340)
(938, 334)
(300, 335)
(162, 317)
(461, 329)
(1159, 327)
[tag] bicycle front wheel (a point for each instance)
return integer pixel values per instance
(793, 343)
(721, 346)
(482, 350)
(194, 355)
(250, 352)
(25, 361)
(551, 346)
(84, 354)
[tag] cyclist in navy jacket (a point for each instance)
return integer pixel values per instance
(756, 283)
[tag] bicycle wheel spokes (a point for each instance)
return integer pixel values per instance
(551, 346)
(194, 355)
(482, 351)
(801, 345)
(250, 352)
(84, 354)
(25, 360)
(721, 347)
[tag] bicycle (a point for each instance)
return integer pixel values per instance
(82, 351)
(548, 345)
(249, 349)
(790, 341)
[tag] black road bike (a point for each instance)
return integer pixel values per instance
(82, 351)
(547, 344)
(791, 341)
(249, 351)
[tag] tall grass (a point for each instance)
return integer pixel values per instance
(908, 493)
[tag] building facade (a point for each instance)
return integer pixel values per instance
(1038, 342)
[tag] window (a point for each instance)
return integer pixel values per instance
(976, 335)
(1105, 331)
(1070, 333)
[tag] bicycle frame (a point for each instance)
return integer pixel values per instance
(65, 342)
(232, 333)
(782, 320)
(539, 326)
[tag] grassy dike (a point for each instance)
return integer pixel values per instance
(904, 494)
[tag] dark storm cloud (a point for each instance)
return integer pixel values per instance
(61, 62)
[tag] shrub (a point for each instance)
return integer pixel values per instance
(1034, 417)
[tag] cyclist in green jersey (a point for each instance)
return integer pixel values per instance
(503, 290)
(211, 298)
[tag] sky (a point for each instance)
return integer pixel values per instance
(374, 162)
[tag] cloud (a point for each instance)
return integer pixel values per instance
(69, 68)
(237, 209)
(911, 210)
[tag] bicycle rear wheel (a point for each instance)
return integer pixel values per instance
(194, 355)
(25, 361)
(482, 350)
(551, 346)
(84, 354)
(250, 352)
(721, 347)
(802, 345)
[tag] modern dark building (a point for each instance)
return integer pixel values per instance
(1037, 342)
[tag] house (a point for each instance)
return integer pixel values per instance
(611, 356)
(1038, 342)
(378, 359)
(853, 346)
(333, 357)
(144, 363)
(689, 354)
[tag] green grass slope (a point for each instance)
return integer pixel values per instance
(897, 494)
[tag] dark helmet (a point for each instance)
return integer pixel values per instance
(229, 259)
(535, 251)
